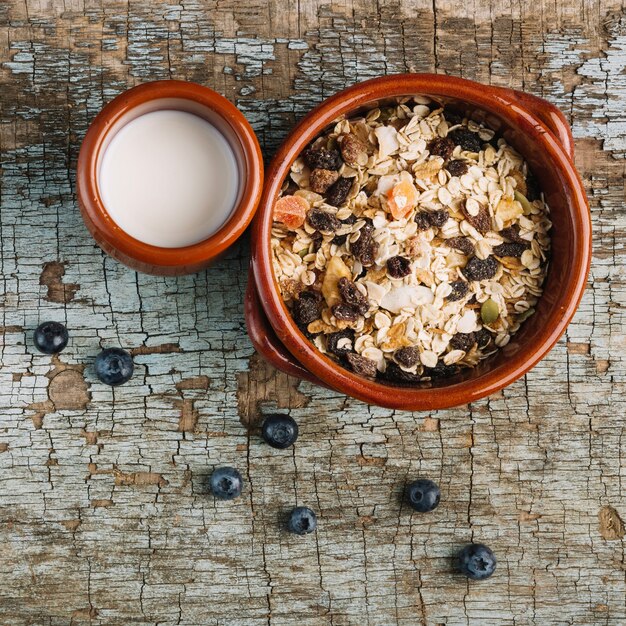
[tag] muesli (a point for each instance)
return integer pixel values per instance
(410, 242)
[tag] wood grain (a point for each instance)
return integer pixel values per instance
(104, 512)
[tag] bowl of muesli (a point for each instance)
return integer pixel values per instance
(422, 241)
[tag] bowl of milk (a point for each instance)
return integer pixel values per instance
(169, 175)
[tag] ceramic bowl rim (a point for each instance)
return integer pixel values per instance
(137, 254)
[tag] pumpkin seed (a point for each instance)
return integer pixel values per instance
(521, 198)
(489, 311)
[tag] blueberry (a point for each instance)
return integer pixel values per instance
(50, 337)
(280, 431)
(302, 521)
(477, 561)
(114, 366)
(226, 483)
(423, 495)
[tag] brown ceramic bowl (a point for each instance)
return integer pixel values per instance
(184, 96)
(541, 134)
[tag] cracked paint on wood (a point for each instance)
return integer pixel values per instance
(105, 516)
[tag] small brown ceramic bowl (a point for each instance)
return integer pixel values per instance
(541, 134)
(161, 95)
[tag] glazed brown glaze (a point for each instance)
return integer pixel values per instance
(168, 94)
(541, 134)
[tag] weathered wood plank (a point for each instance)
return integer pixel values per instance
(104, 511)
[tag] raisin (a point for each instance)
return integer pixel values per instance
(407, 357)
(324, 158)
(434, 106)
(366, 252)
(361, 365)
(333, 340)
(441, 146)
(462, 244)
(453, 118)
(510, 249)
(396, 374)
(481, 222)
(351, 148)
(320, 179)
(367, 229)
(481, 269)
(351, 219)
(459, 290)
(457, 168)
(463, 341)
(351, 295)
(512, 233)
(483, 338)
(422, 220)
(338, 192)
(345, 312)
(365, 248)
(438, 218)
(441, 370)
(398, 267)
(466, 139)
(307, 308)
(322, 220)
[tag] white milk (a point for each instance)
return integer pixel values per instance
(169, 178)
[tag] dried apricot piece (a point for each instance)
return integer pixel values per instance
(402, 199)
(291, 211)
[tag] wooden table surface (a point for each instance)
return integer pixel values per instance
(104, 512)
